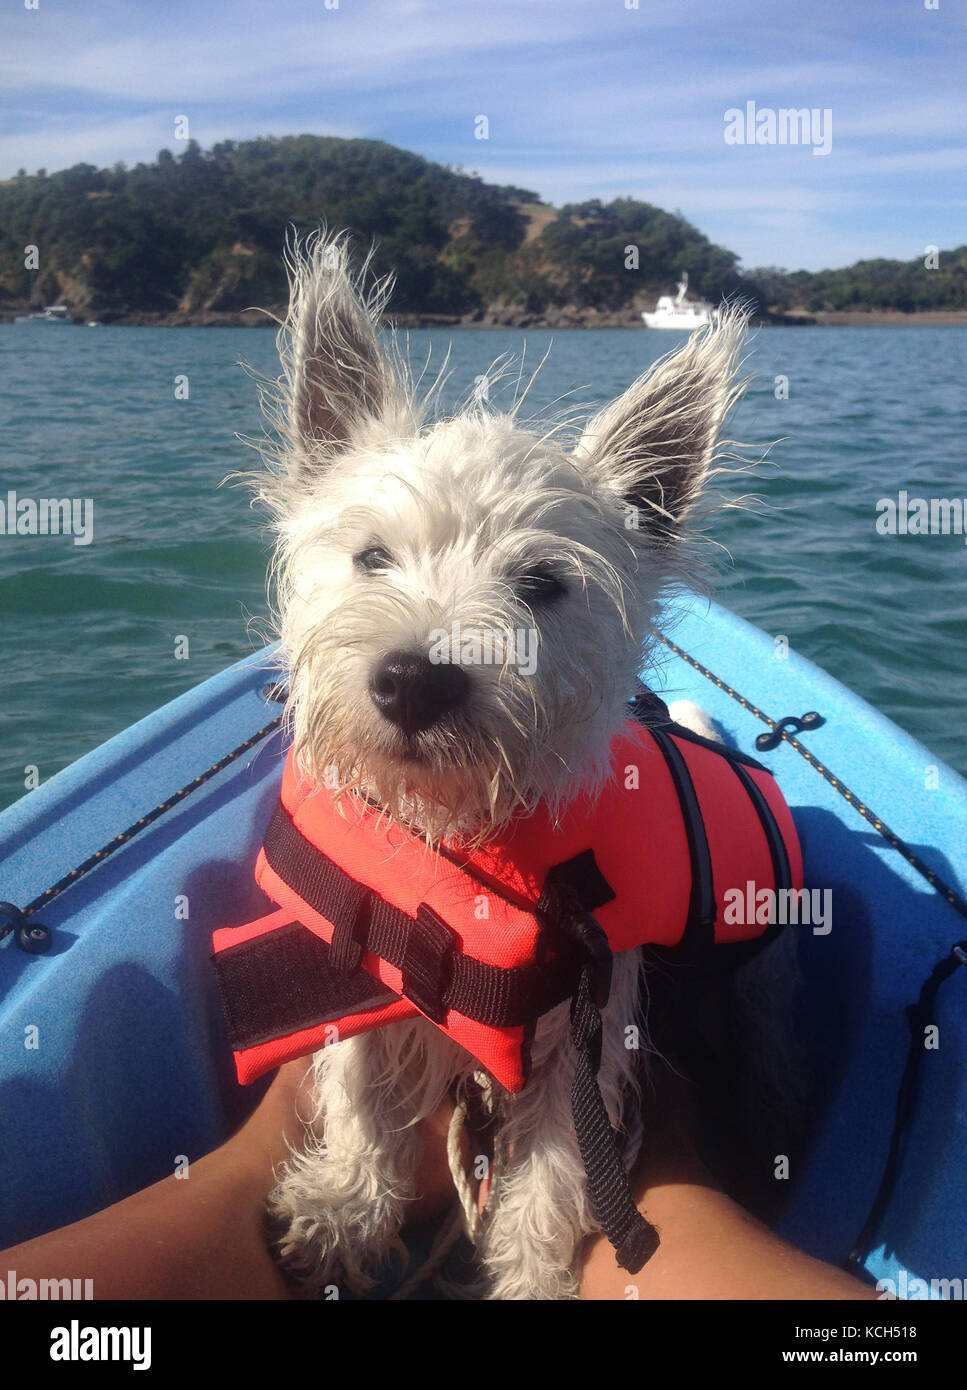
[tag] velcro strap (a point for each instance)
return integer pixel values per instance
(283, 982)
(582, 877)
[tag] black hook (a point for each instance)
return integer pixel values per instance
(32, 937)
(792, 725)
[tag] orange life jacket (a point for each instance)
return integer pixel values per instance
(372, 926)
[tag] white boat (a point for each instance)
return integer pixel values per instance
(54, 313)
(681, 313)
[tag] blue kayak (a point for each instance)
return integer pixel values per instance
(113, 1056)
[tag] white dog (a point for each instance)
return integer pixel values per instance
(391, 533)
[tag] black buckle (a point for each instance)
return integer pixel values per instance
(427, 966)
(790, 725)
(564, 917)
(599, 957)
(572, 890)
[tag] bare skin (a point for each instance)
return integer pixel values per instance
(710, 1247)
(202, 1237)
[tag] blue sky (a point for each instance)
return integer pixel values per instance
(584, 98)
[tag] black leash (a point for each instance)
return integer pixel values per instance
(919, 1015)
(34, 937)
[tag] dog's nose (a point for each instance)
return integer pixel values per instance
(413, 692)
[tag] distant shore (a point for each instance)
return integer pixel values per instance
(859, 318)
(568, 316)
(590, 318)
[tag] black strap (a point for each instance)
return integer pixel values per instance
(919, 1017)
(348, 936)
(731, 755)
(427, 963)
(571, 893)
(699, 934)
(781, 871)
(435, 976)
(698, 948)
(634, 1239)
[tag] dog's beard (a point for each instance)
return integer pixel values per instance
(446, 783)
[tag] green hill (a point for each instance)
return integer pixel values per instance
(198, 238)
(200, 235)
(905, 286)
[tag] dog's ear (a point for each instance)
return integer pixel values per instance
(654, 446)
(338, 377)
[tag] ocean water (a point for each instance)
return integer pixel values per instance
(91, 634)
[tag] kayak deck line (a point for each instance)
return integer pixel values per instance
(36, 938)
(813, 721)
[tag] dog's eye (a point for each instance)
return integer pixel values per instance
(375, 557)
(538, 585)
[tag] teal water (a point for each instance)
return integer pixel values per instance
(90, 633)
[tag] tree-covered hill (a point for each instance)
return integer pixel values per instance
(198, 238)
(933, 282)
(201, 235)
